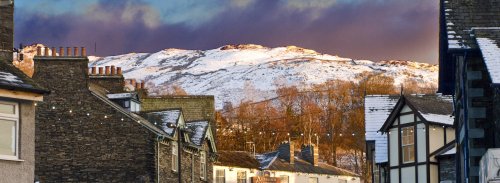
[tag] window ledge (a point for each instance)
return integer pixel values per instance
(11, 159)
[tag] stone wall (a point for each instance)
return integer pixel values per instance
(82, 139)
(447, 169)
(114, 84)
(6, 32)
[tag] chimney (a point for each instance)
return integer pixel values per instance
(132, 82)
(75, 51)
(38, 51)
(138, 86)
(142, 85)
(68, 51)
(84, 52)
(53, 51)
(61, 51)
(100, 71)
(119, 71)
(107, 70)
(94, 70)
(310, 153)
(46, 51)
(113, 70)
(286, 151)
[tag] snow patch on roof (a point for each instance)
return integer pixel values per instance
(199, 129)
(266, 159)
(119, 95)
(5, 76)
(439, 118)
(491, 54)
(169, 116)
(451, 151)
(377, 109)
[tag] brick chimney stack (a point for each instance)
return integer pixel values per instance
(113, 70)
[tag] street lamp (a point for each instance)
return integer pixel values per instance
(179, 145)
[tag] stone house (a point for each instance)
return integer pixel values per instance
(18, 97)
(86, 134)
(285, 165)
(469, 52)
(420, 139)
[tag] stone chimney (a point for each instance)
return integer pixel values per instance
(310, 153)
(286, 152)
(6, 32)
(110, 78)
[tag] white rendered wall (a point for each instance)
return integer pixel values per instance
(393, 147)
(231, 176)
(434, 174)
(422, 174)
(436, 137)
(450, 134)
(394, 176)
(421, 143)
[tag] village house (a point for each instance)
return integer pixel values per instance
(420, 139)
(377, 109)
(469, 69)
(18, 97)
(285, 165)
(90, 129)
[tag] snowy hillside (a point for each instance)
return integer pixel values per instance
(230, 72)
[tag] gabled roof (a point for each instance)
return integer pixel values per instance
(489, 44)
(437, 109)
(237, 159)
(98, 92)
(198, 131)
(270, 161)
(12, 78)
(462, 16)
(377, 109)
(165, 117)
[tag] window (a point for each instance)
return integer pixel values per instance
(126, 103)
(9, 130)
(313, 179)
(242, 177)
(407, 144)
(175, 156)
(220, 176)
(203, 165)
(283, 178)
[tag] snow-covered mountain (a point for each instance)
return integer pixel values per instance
(233, 72)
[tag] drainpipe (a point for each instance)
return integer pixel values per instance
(466, 120)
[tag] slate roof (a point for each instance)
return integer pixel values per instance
(236, 159)
(463, 16)
(121, 95)
(377, 109)
(303, 166)
(434, 108)
(12, 78)
(163, 118)
(198, 131)
(99, 93)
(489, 44)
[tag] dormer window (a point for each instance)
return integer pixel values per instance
(126, 104)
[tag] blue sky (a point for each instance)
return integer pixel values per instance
(361, 29)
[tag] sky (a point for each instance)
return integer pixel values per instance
(360, 29)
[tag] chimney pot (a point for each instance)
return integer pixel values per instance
(107, 70)
(75, 51)
(94, 70)
(142, 85)
(132, 82)
(84, 52)
(138, 86)
(119, 71)
(21, 57)
(39, 51)
(113, 70)
(68, 51)
(46, 51)
(54, 51)
(100, 71)
(61, 51)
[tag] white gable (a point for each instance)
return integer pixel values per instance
(377, 109)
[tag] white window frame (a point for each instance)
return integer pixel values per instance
(203, 165)
(244, 180)
(217, 176)
(407, 144)
(12, 117)
(175, 157)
